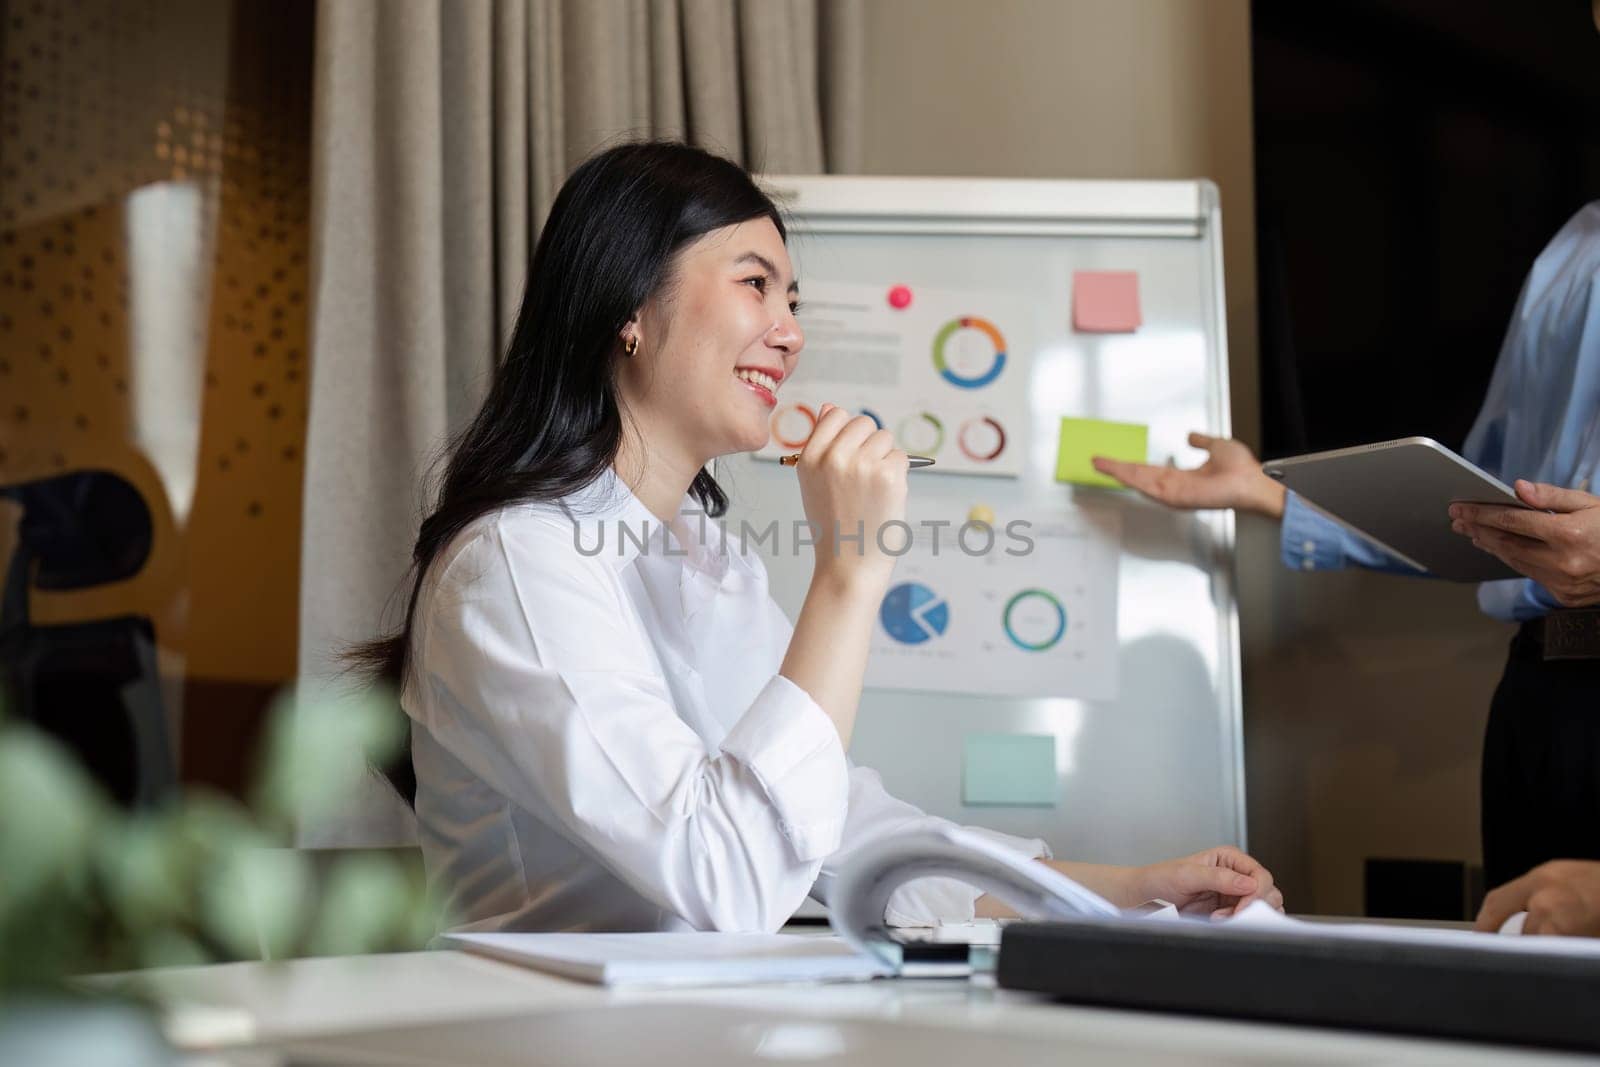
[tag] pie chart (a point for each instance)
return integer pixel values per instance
(912, 613)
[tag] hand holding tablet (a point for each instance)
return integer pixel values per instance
(1557, 544)
(1398, 494)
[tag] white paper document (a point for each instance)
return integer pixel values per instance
(1262, 917)
(678, 959)
(944, 370)
(1033, 890)
(866, 949)
(1034, 613)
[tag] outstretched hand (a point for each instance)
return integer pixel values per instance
(1230, 478)
(1557, 545)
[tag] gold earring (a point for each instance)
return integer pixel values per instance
(630, 346)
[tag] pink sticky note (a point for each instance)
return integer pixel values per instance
(1105, 301)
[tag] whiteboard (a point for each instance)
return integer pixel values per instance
(1156, 769)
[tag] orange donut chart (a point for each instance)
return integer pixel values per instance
(811, 419)
(983, 326)
(972, 453)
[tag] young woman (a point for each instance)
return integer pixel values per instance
(621, 732)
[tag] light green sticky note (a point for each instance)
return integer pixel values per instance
(1083, 439)
(1017, 770)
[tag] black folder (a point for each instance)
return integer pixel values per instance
(1462, 993)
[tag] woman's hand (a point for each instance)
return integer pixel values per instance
(1217, 882)
(852, 483)
(1230, 478)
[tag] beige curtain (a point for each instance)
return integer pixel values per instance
(442, 130)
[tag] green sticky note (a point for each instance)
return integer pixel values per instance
(1083, 439)
(1018, 770)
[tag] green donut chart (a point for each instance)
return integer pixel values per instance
(1034, 620)
(941, 362)
(912, 433)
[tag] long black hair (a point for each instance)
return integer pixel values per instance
(551, 422)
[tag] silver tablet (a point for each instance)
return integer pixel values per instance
(1398, 494)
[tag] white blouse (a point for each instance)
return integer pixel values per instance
(602, 740)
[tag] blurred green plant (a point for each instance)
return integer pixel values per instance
(86, 886)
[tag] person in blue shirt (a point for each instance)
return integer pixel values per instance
(1539, 427)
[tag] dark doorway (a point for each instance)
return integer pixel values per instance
(1412, 158)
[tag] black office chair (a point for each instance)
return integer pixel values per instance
(93, 685)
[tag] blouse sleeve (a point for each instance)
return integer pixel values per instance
(541, 682)
(874, 814)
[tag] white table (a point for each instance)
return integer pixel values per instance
(452, 1007)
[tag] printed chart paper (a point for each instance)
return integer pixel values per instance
(1040, 623)
(944, 370)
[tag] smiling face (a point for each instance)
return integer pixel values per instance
(714, 346)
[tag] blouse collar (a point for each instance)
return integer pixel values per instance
(613, 524)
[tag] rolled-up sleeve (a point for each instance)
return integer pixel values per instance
(873, 815)
(793, 749)
(542, 682)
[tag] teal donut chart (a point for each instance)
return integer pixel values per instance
(983, 326)
(1035, 594)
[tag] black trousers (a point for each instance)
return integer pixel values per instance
(1541, 762)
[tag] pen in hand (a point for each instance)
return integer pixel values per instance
(912, 462)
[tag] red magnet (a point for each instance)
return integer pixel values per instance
(900, 297)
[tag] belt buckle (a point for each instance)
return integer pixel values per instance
(1572, 634)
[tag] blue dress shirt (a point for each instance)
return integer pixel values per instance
(1540, 420)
